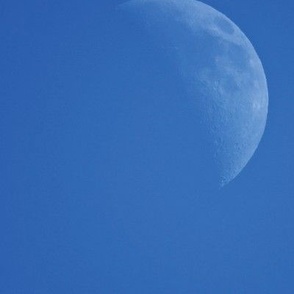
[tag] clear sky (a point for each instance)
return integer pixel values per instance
(93, 201)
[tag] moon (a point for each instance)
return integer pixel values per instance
(224, 81)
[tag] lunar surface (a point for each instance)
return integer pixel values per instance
(223, 77)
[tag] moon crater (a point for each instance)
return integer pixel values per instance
(224, 25)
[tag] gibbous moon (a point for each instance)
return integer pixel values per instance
(223, 77)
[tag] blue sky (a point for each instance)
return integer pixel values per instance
(90, 201)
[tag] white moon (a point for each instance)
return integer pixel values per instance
(223, 76)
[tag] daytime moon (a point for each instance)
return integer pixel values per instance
(221, 73)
